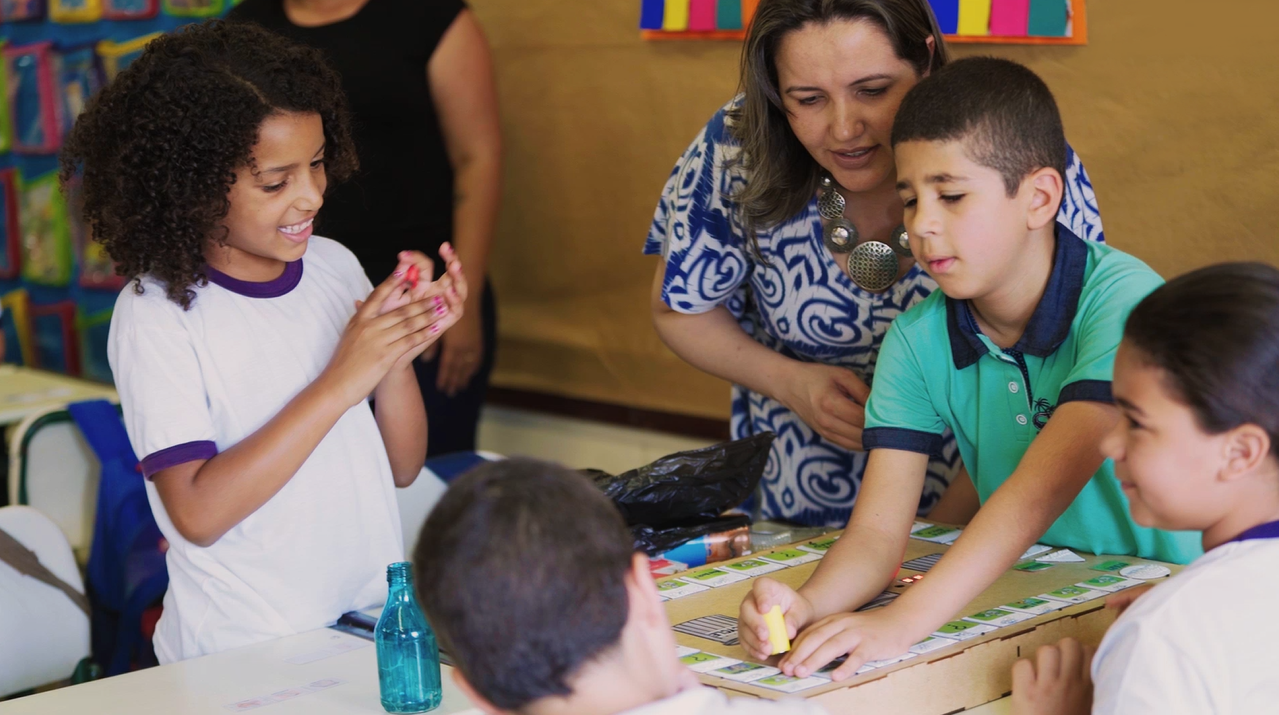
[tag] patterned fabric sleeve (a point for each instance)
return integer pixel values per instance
(694, 228)
(1079, 211)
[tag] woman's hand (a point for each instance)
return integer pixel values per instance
(461, 352)
(830, 400)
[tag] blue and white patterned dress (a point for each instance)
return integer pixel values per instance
(801, 304)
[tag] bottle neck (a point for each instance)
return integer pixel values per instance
(400, 578)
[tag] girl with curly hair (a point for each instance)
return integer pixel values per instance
(247, 348)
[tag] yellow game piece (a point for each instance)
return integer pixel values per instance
(777, 630)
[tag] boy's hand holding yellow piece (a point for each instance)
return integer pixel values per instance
(777, 637)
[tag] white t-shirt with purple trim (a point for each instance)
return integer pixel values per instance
(194, 383)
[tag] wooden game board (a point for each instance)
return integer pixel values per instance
(964, 675)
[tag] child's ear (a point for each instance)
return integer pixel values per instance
(1046, 189)
(1246, 447)
(465, 686)
(640, 580)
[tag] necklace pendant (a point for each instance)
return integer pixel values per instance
(831, 204)
(840, 235)
(900, 242)
(873, 266)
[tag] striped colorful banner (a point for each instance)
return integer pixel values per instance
(1043, 22)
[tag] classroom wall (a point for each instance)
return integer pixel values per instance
(1173, 106)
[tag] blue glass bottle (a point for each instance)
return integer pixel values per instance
(408, 659)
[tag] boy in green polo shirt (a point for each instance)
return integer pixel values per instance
(1014, 355)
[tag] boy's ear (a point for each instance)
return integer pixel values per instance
(1046, 187)
(1246, 447)
(476, 699)
(640, 579)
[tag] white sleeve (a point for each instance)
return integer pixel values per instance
(162, 390)
(1139, 671)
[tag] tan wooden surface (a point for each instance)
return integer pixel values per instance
(965, 675)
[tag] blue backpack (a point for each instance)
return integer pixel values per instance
(126, 571)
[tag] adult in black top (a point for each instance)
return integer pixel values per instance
(418, 76)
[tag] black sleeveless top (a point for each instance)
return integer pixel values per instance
(402, 196)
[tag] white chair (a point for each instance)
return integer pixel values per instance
(45, 634)
(53, 469)
(418, 499)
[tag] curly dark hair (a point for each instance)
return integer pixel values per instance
(159, 146)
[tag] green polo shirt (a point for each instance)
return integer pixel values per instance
(936, 370)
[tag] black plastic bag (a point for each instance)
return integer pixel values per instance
(688, 487)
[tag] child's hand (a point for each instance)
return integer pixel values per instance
(764, 594)
(374, 343)
(413, 278)
(864, 637)
(1122, 600)
(1057, 682)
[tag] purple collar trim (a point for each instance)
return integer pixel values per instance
(287, 281)
(1269, 530)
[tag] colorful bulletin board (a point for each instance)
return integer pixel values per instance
(1030, 22)
(57, 286)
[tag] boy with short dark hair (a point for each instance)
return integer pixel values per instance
(1014, 355)
(530, 578)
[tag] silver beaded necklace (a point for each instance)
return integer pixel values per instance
(871, 264)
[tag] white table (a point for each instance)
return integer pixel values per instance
(24, 391)
(212, 683)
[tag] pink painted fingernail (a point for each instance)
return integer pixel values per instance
(441, 310)
(398, 274)
(435, 328)
(438, 300)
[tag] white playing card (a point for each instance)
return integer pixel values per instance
(713, 577)
(999, 617)
(1073, 594)
(788, 684)
(744, 672)
(1034, 606)
(1063, 556)
(752, 567)
(931, 643)
(962, 630)
(702, 662)
(1035, 550)
(791, 557)
(675, 588)
(1109, 583)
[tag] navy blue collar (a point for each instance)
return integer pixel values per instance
(1050, 323)
(274, 288)
(1269, 530)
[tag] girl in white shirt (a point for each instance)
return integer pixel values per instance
(246, 349)
(1197, 449)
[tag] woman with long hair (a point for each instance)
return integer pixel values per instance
(784, 259)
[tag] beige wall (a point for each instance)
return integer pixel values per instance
(1174, 111)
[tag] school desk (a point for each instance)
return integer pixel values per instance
(24, 391)
(208, 685)
(212, 685)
